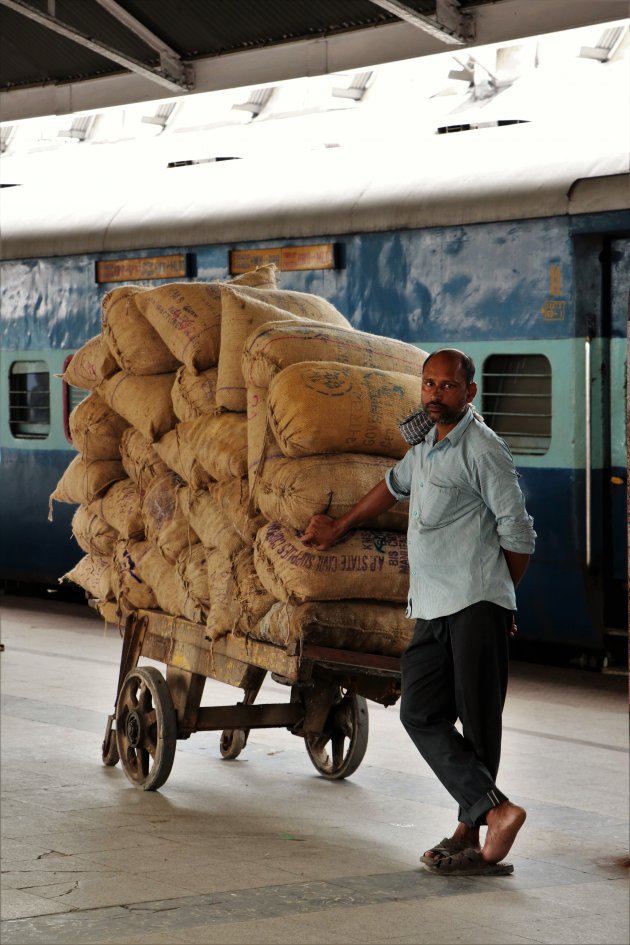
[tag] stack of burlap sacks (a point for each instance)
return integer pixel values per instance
(220, 418)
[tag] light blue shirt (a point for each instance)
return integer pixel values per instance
(465, 505)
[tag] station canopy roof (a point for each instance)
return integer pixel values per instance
(65, 56)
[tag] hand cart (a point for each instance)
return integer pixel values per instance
(327, 705)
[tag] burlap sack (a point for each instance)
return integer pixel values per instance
(262, 277)
(120, 507)
(175, 450)
(187, 316)
(220, 516)
(139, 459)
(207, 519)
(222, 590)
(238, 601)
(84, 480)
(165, 524)
(96, 429)
(92, 533)
(364, 564)
(328, 408)
(261, 443)
(129, 589)
(366, 627)
(274, 347)
(167, 586)
(194, 395)
(145, 402)
(243, 312)
(314, 308)
(254, 600)
(134, 344)
(90, 365)
(93, 574)
(192, 568)
(232, 497)
(219, 444)
(292, 490)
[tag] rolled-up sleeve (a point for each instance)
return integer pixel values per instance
(498, 483)
(398, 479)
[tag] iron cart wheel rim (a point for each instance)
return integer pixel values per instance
(146, 728)
(345, 733)
(109, 751)
(232, 742)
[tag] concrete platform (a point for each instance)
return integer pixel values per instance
(262, 849)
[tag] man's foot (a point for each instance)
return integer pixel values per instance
(464, 838)
(504, 822)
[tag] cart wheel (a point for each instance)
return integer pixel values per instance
(347, 720)
(232, 742)
(146, 728)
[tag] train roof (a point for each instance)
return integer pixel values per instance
(500, 173)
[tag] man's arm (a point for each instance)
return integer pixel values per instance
(323, 531)
(500, 490)
(517, 564)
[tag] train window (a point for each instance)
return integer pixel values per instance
(516, 400)
(29, 400)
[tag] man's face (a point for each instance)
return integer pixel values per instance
(445, 393)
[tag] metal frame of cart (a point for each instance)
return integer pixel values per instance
(327, 706)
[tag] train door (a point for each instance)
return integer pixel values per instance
(602, 282)
(615, 260)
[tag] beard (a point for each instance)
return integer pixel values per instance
(443, 414)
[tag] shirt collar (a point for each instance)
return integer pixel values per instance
(457, 432)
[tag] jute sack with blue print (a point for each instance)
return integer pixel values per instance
(325, 407)
(363, 564)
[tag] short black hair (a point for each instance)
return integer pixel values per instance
(466, 363)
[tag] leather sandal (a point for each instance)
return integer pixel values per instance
(445, 847)
(468, 863)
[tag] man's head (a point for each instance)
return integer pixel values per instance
(447, 385)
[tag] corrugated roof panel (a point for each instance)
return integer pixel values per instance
(28, 57)
(31, 54)
(197, 28)
(52, 68)
(94, 21)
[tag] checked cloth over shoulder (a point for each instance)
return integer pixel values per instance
(415, 427)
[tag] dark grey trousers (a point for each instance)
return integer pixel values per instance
(456, 667)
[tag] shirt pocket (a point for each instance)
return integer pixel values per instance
(440, 505)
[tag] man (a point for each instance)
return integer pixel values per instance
(469, 541)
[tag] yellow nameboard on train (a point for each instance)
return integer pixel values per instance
(145, 267)
(286, 258)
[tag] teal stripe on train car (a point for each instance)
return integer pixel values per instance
(567, 448)
(56, 437)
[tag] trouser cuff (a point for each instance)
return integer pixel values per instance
(476, 815)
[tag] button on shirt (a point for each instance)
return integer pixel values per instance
(465, 505)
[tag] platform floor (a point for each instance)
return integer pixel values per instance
(263, 850)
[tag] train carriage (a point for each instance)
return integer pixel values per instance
(517, 253)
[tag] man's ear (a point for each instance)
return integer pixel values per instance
(472, 392)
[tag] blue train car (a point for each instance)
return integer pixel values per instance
(518, 254)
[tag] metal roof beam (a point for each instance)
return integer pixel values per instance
(170, 60)
(449, 25)
(51, 23)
